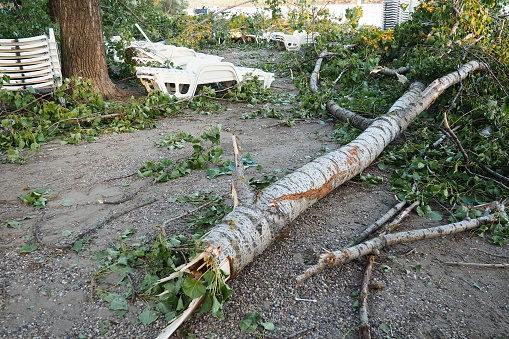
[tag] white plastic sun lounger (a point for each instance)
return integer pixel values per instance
(30, 62)
(292, 42)
(183, 83)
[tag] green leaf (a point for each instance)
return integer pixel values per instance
(14, 224)
(27, 248)
(385, 328)
(118, 303)
(268, 326)
(148, 316)
(206, 305)
(217, 308)
(67, 202)
(250, 322)
(78, 245)
(66, 233)
(193, 288)
(434, 215)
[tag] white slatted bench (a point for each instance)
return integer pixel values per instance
(30, 62)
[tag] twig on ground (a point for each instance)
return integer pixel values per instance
(166, 222)
(488, 253)
(459, 263)
(89, 231)
(363, 303)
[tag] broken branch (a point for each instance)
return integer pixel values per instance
(377, 224)
(337, 258)
(459, 263)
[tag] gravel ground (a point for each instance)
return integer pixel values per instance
(49, 293)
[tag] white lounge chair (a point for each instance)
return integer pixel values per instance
(292, 42)
(30, 62)
(183, 83)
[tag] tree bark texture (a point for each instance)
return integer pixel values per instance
(251, 227)
(82, 45)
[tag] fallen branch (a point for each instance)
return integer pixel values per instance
(377, 224)
(395, 223)
(337, 258)
(363, 303)
(398, 73)
(313, 80)
(343, 114)
(477, 265)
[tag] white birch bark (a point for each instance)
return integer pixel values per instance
(250, 228)
(336, 258)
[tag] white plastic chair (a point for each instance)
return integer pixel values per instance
(30, 62)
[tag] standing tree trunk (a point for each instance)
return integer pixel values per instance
(82, 44)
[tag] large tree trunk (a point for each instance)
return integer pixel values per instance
(82, 44)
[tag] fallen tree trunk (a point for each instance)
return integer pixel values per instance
(252, 226)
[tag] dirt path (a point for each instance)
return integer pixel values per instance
(47, 293)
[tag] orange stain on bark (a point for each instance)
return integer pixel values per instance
(313, 193)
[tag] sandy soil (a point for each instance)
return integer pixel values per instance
(48, 293)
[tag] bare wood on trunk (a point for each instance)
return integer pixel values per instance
(337, 258)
